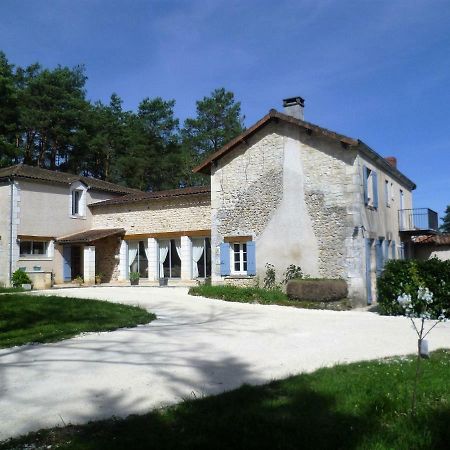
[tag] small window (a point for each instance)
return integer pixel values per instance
(76, 202)
(370, 188)
(387, 196)
(29, 248)
(239, 258)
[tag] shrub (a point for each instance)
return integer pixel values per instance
(402, 277)
(317, 290)
(292, 272)
(19, 277)
(269, 279)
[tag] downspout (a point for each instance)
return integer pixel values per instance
(11, 181)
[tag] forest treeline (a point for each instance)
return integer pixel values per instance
(46, 120)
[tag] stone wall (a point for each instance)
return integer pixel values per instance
(329, 196)
(156, 216)
(106, 262)
(246, 190)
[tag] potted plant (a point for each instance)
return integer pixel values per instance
(163, 281)
(98, 278)
(79, 280)
(134, 278)
(21, 279)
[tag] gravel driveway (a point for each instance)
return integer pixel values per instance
(195, 347)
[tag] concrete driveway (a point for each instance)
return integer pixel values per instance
(195, 347)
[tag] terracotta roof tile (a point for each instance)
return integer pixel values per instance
(90, 236)
(157, 195)
(434, 239)
(37, 173)
(274, 115)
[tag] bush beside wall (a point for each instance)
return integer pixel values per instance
(406, 276)
(317, 290)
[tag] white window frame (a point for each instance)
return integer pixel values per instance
(243, 258)
(82, 190)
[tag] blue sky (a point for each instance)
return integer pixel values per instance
(375, 70)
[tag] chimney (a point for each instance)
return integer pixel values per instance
(294, 107)
(392, 160)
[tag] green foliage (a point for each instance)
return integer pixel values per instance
(360, 406)
(19, 277)
(27, 318)
(79, 280)
(292, 272)
(134, 276)
(269, 278)
(445, 227)
(240, 294)
(218, 121)
(47, 121)
(407, 276)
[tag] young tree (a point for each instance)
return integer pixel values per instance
(445, 227)
(218, 121)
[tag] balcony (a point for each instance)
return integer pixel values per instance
(418, 221)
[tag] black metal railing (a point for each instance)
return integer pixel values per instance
(418, 219)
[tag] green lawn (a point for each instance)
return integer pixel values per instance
(357, 406)
(261, 296)
(31, 318)
(5, 290)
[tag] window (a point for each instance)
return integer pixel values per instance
(239, 258)
(76, 202)
(170, 258)
(387, 197)
(137, 258)
(29, 248)
(370, 188)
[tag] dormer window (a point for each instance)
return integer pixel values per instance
(76, 200)
(77, 207)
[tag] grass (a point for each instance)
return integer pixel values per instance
(31, 318)
(357, 406)
(6, 290)
(261, 296)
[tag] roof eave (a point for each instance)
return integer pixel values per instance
(377, 158)
(272, 115)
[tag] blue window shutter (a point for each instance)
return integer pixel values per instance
(369, 270)
(224, 259)
(375, 189)
(379, 256)
(394, 256)
(251, 258)
(67, 269)
(386, 250)
(365, 178)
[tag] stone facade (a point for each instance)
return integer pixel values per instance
(300, 196)
(156, 216)
(107, 258)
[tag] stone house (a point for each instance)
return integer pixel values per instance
(38, 206)
(290, 192)
(283, 192)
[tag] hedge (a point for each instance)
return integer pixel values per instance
(406, 276)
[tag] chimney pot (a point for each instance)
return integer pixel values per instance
(392, 160)
(294, 107)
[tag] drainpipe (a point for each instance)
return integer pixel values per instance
(11, 181)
